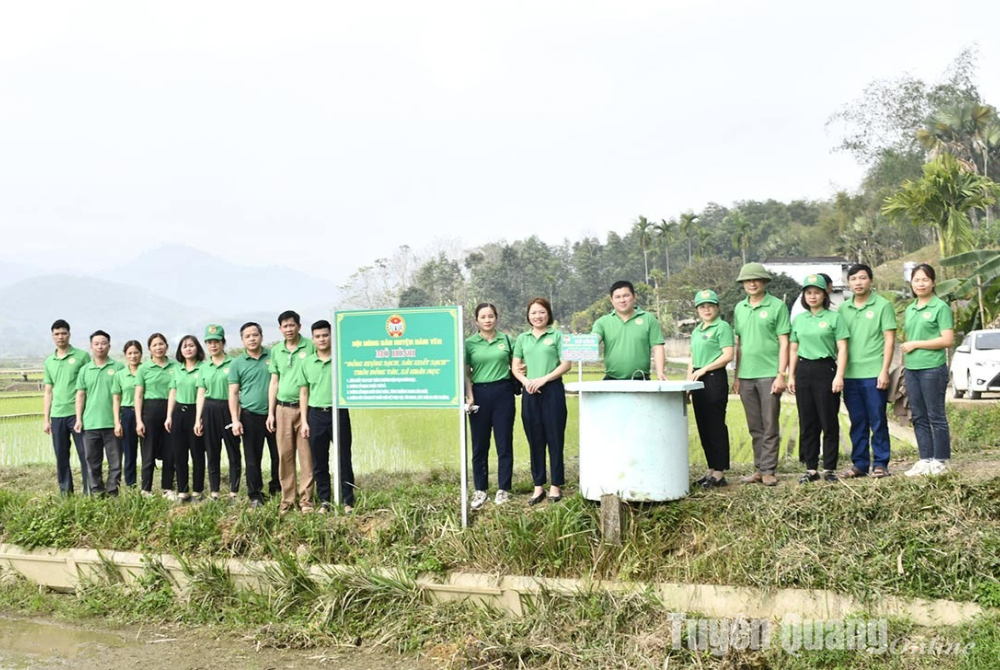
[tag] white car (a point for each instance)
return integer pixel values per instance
(975, 367)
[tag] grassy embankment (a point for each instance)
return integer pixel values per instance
(930, 538)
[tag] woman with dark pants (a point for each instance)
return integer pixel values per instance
(152, 388)
(181, 423)
(929, 328)
(212, 415)
(538, 365)
(712, 346)
(817, 360)
(489, 393)
(123, 393)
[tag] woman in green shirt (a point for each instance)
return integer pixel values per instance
(930, 331)
(816, 363)
(123, 390)
(152, 387)
(489, 393)
(538, 365)
(712, 346)
(180, 423)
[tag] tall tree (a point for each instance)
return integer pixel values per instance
(943, 198)
(743, 232)
(643, 230)
(664, 238)
(687, 228)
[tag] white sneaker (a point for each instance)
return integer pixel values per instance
(502, 497)
(921, 467)
(146, 494)
(937, 467)
(170, 495)
(478, 499)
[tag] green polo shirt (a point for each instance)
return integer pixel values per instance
(317, 374)
(155, 379)
(286, 365)
(540, 354)
(185, 382)
(254, 380)
(124, 385)
(215, 379)
(490, 361)
(758, 329)
(627, 344)
(707, 342)
(867, 325)
(817, 334)
(926, 323)
(61, 374)
(97, 382)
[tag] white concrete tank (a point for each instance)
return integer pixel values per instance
(634, 439)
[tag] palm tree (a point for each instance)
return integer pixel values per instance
(703, 237)
(944, 198)
(743, 232)
(664, 236)
(687, 229)
(643, 229)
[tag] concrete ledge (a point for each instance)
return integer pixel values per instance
(64, 569)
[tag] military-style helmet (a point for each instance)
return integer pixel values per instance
(753, 271)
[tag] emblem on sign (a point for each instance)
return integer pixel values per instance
(395, 326)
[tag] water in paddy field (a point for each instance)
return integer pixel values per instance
(29, 644)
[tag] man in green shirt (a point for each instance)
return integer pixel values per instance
(871, 320)
(283, 416)
(249, 381)
(316, 407)
(61, 370)
(629, 334)
(761, 325)
(95, 416)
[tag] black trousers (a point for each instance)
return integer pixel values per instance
(543, 415)
(130, 445)
(496, 415)
(156, 446)
(215, 417)
(254, 436)
(62, 437)
(818, 412)
(100, 443)
(186, 443)
(320, 437)
(710, 405)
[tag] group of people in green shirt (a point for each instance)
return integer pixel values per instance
(186, 410)
(819, 356)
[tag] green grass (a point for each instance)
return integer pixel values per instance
(20, 403)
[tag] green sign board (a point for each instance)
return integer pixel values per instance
(581, 348)
(399, 358)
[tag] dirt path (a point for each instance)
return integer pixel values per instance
(46, 645)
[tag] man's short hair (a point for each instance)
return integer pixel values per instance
(320, 325)
(860, 267)
(253, 324)
(59, 324)
(289, 314)
(100, 332)
(622, 284)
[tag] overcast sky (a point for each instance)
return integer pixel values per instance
(326, 134)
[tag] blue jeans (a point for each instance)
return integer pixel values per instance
(866, 405)
(926, 389)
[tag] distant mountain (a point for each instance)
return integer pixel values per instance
(28, 308)
(207, 281)
(12, 272)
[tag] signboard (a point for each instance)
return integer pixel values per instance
(581, 348)
(399, 358)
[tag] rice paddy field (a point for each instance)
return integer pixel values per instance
(397, 440)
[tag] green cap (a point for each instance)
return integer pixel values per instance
(705, 296)
(753, 271)
(214, 332)
(814, 280)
